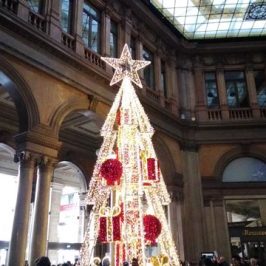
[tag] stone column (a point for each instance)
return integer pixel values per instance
(217, 228)
(77, 25)
(193, 204)
(222, 94)
(41, 208)
(53, 19)
(175, 220)
(251, 87)
(54, 217)
(18, 242)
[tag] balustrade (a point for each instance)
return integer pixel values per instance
(94, 58)
(38, 21)
(152, 94)
(68, 40)
(11, 5)
(214, 114)
(263, 112)
(240, 114)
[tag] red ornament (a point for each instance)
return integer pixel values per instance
(102, 230)
(152, 227)
(111, 170)
(151, 169)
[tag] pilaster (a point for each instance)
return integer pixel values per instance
(53, 20)
(192, 204)
(251, 86)
(77, 25)
(201, 108)
(23, 10)
(217, 228)
(222, 94)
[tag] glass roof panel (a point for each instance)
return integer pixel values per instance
(208, 19)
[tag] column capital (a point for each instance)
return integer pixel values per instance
(45, 161)
(175, 193)
(189, 146)
(25, 157)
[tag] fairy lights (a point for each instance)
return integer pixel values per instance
(125, 212)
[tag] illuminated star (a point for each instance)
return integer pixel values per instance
(125, 66)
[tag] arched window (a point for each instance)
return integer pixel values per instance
(245, 169)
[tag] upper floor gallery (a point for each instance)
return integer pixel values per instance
(194, 81)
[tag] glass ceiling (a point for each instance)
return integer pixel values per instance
(210, 19)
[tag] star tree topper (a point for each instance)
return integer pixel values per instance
(125, 66)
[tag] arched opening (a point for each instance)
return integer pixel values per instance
(80, 137)
(246, 208)
(67, 215)
(8, 195)
(22, 112)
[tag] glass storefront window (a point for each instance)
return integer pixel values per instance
(68, 228)
(8, 196)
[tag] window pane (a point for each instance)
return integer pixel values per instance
(148, 71)
(113, 39)
(35, 5)
(91, 27)
(211, 89)
(65, 16)
(236, 89)
(85, 28)
(94, 38)
(260, 82)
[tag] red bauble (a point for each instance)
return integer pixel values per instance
(152, 227)
(111, 170)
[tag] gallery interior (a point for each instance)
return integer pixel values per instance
(204, 93)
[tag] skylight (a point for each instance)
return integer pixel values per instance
(208, 19)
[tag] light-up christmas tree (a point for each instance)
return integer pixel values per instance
(127, 189)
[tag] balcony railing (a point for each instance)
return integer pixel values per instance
(263, 112)
(152, 94)
(215, 115)
(10, 5)
(68, 40)
(38, 21)
(94, 58)
(240, 114)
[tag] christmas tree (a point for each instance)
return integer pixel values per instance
(127, 189)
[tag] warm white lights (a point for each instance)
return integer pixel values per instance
(141, 190)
